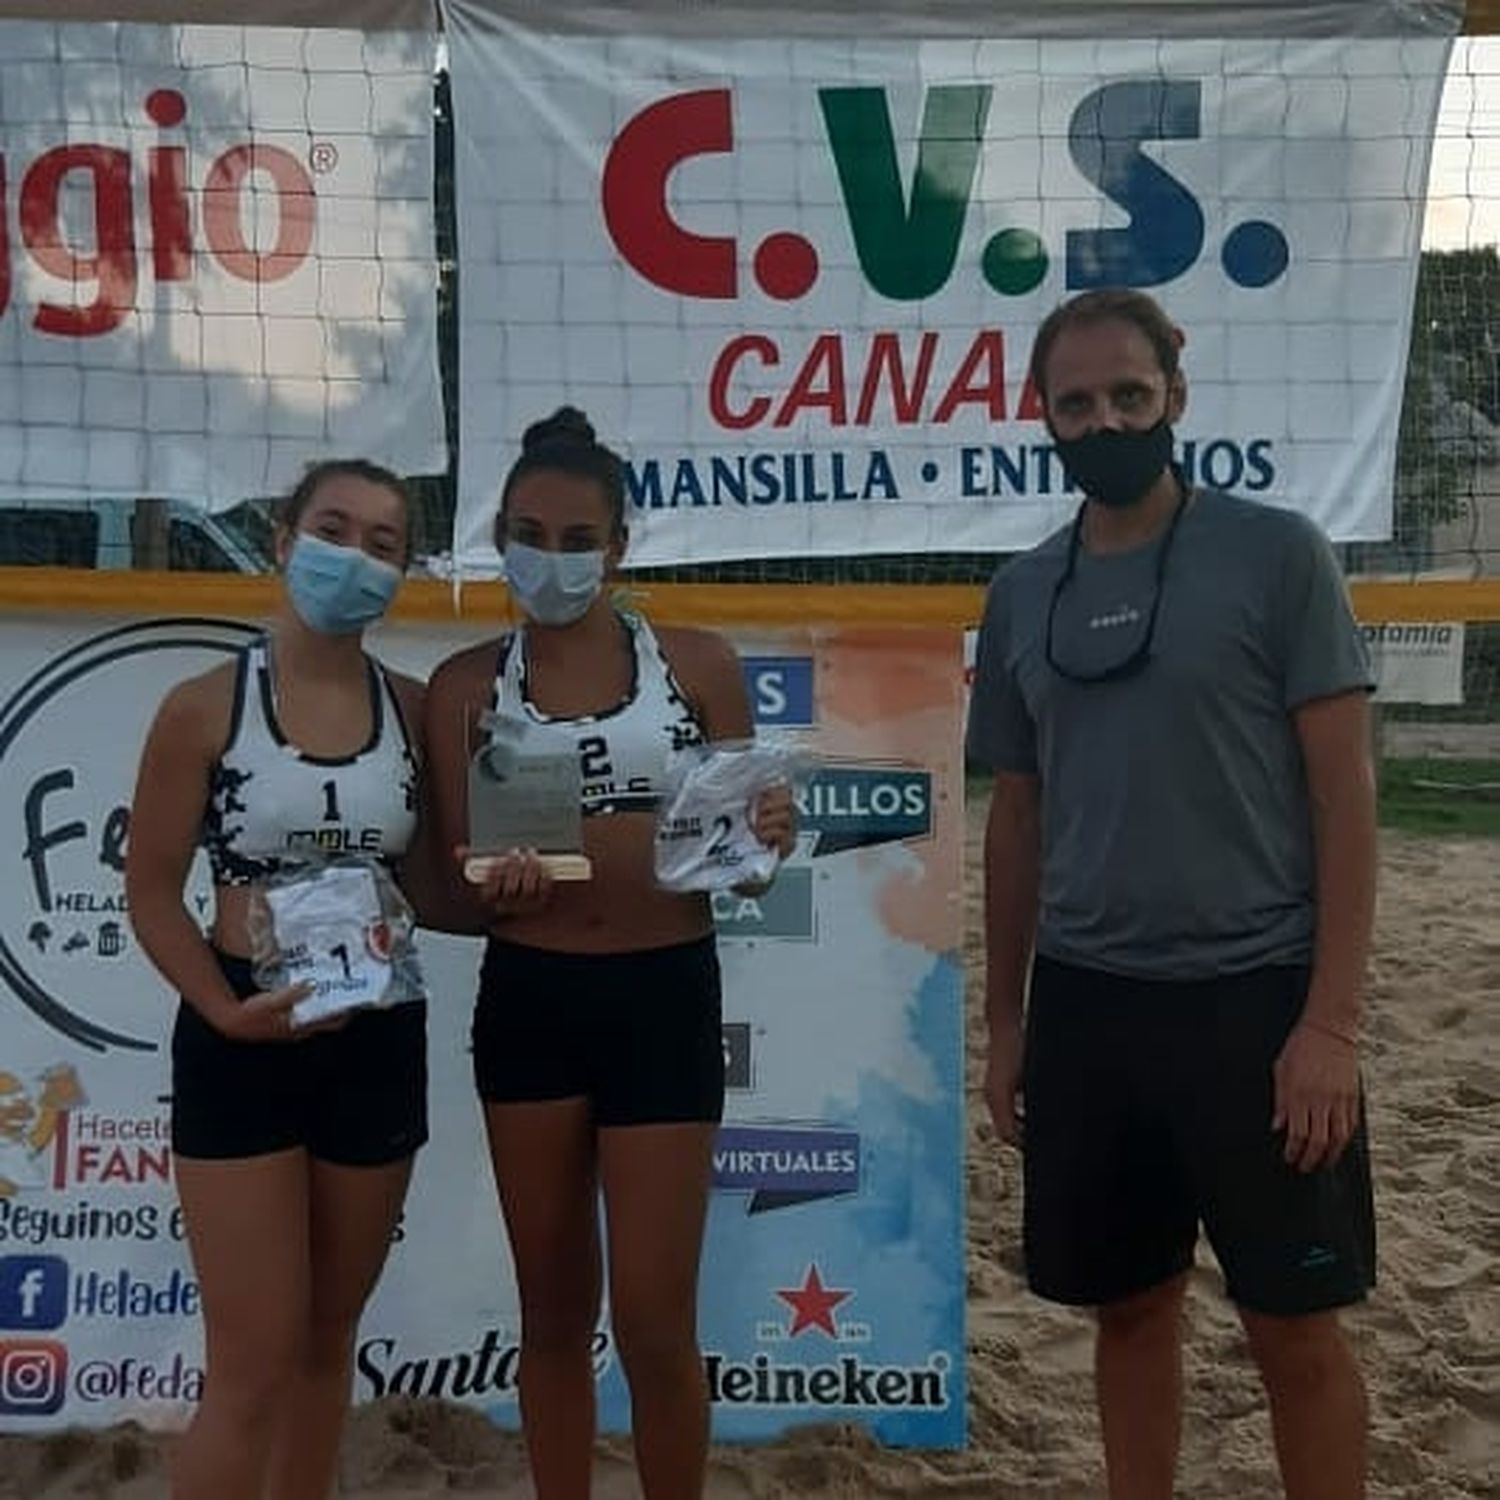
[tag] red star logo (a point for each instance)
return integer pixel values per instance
(812, 1304)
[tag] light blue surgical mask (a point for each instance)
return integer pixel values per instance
(554, 588)
(338, 590)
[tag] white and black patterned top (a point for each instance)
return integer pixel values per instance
(624, 751)
(268, 799)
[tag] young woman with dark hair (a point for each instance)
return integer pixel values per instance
(598, 1049)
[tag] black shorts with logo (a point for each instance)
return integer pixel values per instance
(355, 1097)
(1148, 1108)
(639, 1034)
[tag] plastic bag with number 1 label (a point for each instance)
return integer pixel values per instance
(342, 926)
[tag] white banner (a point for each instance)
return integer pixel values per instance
(1089, 19)
(365, 15)
(833, 1285)
(1418, 662)
(797, 280)
(216, 258)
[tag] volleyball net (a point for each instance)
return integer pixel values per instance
(188, 211)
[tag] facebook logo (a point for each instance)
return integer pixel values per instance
(33, 1291)
(781, 689)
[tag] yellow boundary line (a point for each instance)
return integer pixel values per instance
(431, 602)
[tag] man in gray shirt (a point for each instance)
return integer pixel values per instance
(1172, 694)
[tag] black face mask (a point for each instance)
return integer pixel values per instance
(1115, 467)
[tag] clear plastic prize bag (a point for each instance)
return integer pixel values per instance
(704, 841)
(340, 925)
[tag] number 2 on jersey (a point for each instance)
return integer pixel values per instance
(593, 751)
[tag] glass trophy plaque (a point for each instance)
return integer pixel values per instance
(524, 801)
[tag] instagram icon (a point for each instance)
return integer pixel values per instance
(33, 1377)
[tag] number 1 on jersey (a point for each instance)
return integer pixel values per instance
(331, 802)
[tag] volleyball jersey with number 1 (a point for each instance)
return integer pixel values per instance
(269, 801)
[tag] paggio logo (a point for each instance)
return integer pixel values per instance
(108, 262)
(907, 238)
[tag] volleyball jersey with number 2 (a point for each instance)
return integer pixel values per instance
(624, 751)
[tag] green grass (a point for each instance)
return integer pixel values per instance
(1441, 796)
(1428, 795)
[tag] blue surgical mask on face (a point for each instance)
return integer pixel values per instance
(338, 590)
(554, 588)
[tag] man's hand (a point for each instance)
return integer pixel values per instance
(1002, 1079)
(1317, 1095)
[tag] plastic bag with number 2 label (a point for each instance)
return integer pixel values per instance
(704, 841)
(342, 926)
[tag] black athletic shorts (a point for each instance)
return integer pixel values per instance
(1148, 1108)
(356, 1097)
(639, 1034)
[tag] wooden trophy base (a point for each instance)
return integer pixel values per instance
(479, 867)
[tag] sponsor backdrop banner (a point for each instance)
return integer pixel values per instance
(833, 1280)
(797, 277)
(216, 257)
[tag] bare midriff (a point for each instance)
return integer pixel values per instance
(231, 929)
(620, 908)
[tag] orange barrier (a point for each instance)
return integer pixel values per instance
(27, 590)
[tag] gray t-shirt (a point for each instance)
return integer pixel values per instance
(1175, 823)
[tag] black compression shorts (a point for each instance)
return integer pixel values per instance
(354, 1097)
(639, 1034)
